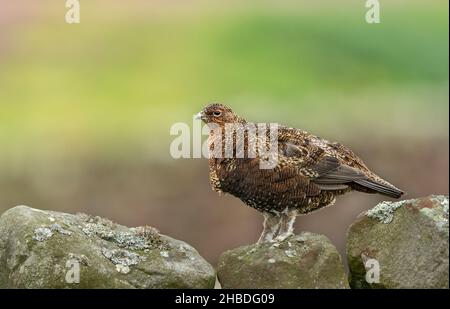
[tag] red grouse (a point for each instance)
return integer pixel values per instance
(308, 173)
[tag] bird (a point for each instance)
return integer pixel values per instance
(308, 174)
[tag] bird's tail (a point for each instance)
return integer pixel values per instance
(380, 186)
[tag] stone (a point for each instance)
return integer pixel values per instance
(306, 260)
(406, 242)
(46, 249)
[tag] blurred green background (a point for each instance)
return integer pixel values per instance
(85, 109)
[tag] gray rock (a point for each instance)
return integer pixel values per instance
(44, 249)
(407, 241)
(304, 261)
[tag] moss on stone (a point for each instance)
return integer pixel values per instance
(412, 250)
(304, 261)
(384, 211)
(36, 245)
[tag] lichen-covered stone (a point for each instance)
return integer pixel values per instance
(407, 239)
(304, 261)
(42, 249)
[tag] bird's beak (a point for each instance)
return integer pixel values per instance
(199, 116)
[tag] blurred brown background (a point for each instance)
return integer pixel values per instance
(85, 110)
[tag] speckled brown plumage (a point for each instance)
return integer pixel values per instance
(310, 173)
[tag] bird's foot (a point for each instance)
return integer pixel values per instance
(271, 227)
(264, 239)
(283, 237)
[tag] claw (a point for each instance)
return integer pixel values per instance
(281, 238)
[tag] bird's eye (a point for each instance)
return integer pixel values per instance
(217, 113)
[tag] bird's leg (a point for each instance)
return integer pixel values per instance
(271, 224)
(287, 220)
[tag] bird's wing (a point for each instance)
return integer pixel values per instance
(329, 173)
(323, 170)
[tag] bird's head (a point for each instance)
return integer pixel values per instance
(218, 114)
